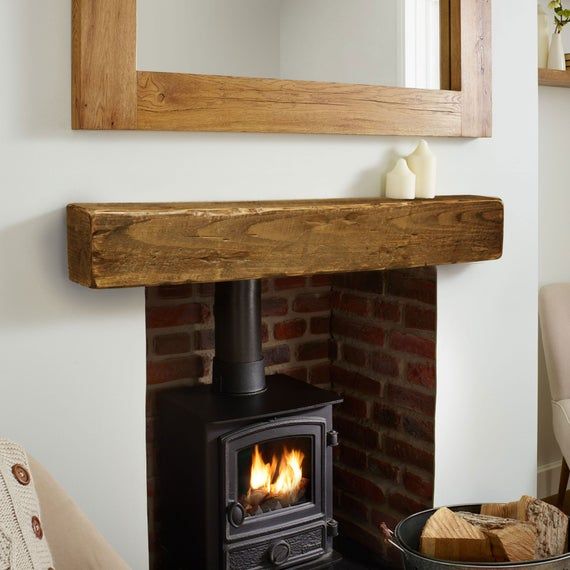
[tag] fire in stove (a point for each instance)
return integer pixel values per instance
(276, 484)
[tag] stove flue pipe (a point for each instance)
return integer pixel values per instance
(238, 368)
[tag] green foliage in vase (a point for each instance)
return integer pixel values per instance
(561, 15)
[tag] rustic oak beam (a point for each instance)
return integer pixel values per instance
(131, 245)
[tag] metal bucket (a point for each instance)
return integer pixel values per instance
(406, 538)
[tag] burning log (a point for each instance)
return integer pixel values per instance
(258, 501)
(255, 497)
(276, 484)
(272, 504)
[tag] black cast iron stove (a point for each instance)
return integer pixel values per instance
(245, 466)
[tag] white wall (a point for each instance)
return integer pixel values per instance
(72, 360)
(554, 237)
(486, 359)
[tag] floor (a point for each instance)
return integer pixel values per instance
(348, 565)
(356, 557)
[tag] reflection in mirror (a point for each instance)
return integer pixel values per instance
(375, 42)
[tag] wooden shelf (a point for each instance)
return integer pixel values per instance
(554, 78)
(132, 245)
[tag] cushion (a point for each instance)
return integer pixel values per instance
(23, 544)
(74, 541)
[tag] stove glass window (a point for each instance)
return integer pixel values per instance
(275, 475)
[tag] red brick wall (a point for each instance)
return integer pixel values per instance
(371, 334)
(383, 325)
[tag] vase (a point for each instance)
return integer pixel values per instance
(542, 20)
(556, 59)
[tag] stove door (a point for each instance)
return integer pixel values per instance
(273, 477)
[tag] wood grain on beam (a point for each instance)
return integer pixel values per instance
(186, 102)
(130, 245)
(104, 78)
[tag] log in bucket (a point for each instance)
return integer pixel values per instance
(406, 538)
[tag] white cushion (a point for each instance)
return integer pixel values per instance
(23, 544)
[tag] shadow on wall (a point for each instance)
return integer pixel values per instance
(373, 180)
(38, 246)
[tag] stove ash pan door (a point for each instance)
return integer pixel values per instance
(276, 488)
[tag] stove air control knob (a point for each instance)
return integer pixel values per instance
(279, 553)
(332, 528)
(236, 514)
(332, 438)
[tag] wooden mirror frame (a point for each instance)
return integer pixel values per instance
(109, 93)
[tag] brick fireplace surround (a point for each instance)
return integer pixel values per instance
(370, 335)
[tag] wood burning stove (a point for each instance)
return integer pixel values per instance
(245, 466)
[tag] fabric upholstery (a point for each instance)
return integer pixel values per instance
(561, 425)
(74, 541)
(5, 550)
(554, 311)
(23, 544)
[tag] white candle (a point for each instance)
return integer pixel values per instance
(401, 182)
(423, 164)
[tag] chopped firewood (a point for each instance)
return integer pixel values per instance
(511, 540)
(551, 523)
(449, 537)
(503, 510)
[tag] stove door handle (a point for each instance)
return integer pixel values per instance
(236, 514)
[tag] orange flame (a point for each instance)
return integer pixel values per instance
(261, 472)
(279, 481)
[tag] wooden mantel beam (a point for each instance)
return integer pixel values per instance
(133, 245)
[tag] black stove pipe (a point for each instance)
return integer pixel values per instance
(238, 368)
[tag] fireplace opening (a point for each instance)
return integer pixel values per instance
(249, 456)
(368, 338)
(275, 475)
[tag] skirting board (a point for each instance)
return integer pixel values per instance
(548, 479)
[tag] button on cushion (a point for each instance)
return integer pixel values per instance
(37, 527)
(21, 474)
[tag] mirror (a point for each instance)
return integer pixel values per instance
(374, 42)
